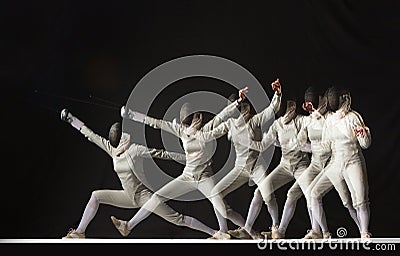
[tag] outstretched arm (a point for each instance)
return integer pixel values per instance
(216, 133)
(167, 126)
(88, 133)
(143, 151)
(98, 140)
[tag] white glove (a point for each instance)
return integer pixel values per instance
(133, 115)
(69, 118)
(123, 112)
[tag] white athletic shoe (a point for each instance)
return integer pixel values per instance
(365, 236)
(239, 233)
(220, 236)
(326, 235)
(274, 233)
(72, 233)
(121, 225)
(277, 235)
(312, 235)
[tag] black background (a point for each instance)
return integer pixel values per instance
(60, 49)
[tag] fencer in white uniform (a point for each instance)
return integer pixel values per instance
(293, 162)
(319, 160)
(127, 159)
(345, 135)
(308, 138)
(197, 172)
(248, 164)
(311, 135)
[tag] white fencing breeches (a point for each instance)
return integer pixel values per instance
(281, 175)
(120, 198)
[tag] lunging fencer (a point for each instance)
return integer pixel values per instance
(197, 173)
(127, 160)
(345, 135)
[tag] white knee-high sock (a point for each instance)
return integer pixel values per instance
(363, 216)
(235, 217)
(138, 217)
(222, 223)
(144, 211)
(88, 214)
(314, 224)
(309, 210)
(219, 206)
(196, 224)
(354, 215)
(287, 215)
(254, 211)
(272, 207)
(318, 213)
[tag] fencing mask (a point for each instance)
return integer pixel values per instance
(115, 133)
(333, 98)
(290, 113)
(189, 117)
(186, 114)
(245, 111)
(322, 105)
(232, 98)
(311, 95)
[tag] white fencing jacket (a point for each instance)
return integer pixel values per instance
(129, 164)
(286, 136)
(241, 131)
(339, 137)
(198, 152)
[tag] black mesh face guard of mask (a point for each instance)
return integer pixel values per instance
(197, 120)
(322, 105)
(232, 98)
(311, 95)
(332, 95)
(245, 110)
(290, 113)
(186, 114)
(189, 117)
(115, 133)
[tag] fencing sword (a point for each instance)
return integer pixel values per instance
(105, 103)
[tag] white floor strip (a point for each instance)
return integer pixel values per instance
(179, 241)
